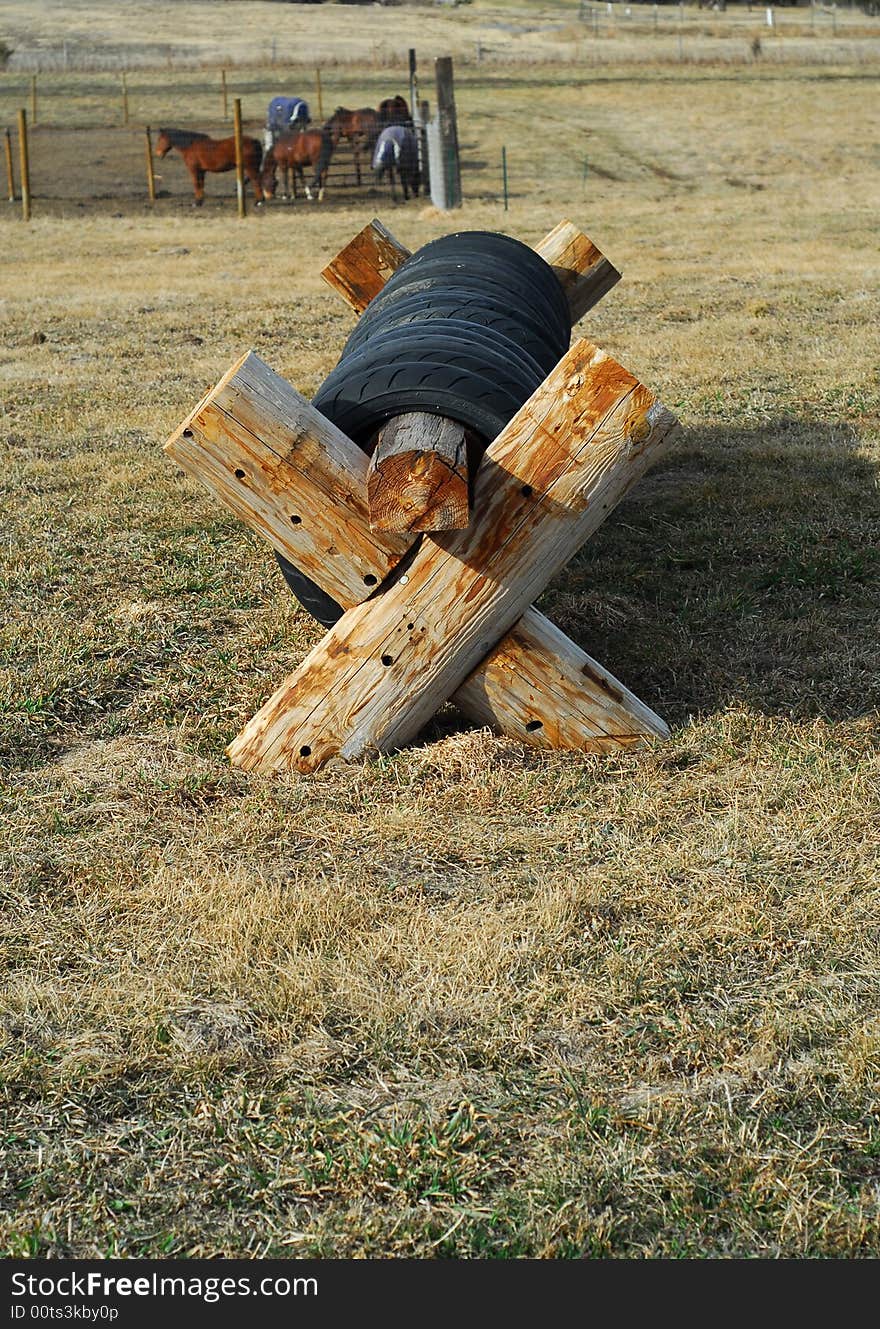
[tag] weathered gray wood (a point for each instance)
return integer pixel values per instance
(549, 479)
(418, 475)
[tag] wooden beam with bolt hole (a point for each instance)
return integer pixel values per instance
(545, 484)
(361, 269)
(271, 457)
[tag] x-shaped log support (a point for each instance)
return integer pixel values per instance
(545, 484)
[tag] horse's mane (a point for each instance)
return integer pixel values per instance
(182, 138)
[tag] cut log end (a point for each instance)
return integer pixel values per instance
(418, 476)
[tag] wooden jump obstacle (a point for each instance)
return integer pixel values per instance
(447, 614)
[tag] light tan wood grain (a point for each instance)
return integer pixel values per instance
(418, 475)
(582, 270)
(361, 269)
(292, 476)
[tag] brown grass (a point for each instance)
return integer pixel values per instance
(466, 1000)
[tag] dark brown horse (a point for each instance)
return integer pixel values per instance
(202, 153)
(394, 111)
(360, 127)
(294, 152)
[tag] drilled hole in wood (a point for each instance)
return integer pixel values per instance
(527, 491)
(532, 725)
(239, 474)
(187, 433)
(305, 751)
(410, 626)
(295, 521)
(388, 659)
(370, 580)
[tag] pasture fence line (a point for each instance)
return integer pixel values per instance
(124, 99)
(10, 174)
(24, 165)
(319, 96)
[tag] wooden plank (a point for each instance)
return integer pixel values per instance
(538, 686)
(546, 483)
(418, 475)
(292, 476)
(361, 269)
(582, 270)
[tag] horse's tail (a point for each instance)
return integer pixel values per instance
(324, 156)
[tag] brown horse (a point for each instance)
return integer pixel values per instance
(360, 127)
(294, 152)
(202, 153)
(394, 111)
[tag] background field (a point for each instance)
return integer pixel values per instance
(465, 1000)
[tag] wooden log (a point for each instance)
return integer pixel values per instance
(289, 474)
(239, 156)
(582, 270)
(537, 685)
(418, 475)
(10, 174)
(151, 175)
(24, 165)
(256, 445)
(546, 483)
(361, 269)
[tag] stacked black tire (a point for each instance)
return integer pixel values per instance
(467, 328)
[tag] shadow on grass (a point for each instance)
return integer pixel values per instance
(743, 569)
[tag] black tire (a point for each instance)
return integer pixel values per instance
(315, 601)
(477, 315)
(505, 260)
(359, 402)
(521, 301)
(461, 344)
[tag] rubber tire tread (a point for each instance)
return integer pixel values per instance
(523, 304)
(477, 317)
(471, 346)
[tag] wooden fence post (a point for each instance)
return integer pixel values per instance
(33, 99)
(225, 94)
(24, 165)
(151, 178)
(239, 156)
(10, 174)
(124, 99)
(448, 131)
(504, 174)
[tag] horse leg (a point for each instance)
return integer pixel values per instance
(254, 177)
(198, 179)
(356, 151)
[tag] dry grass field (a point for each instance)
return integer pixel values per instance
(466, 1000)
